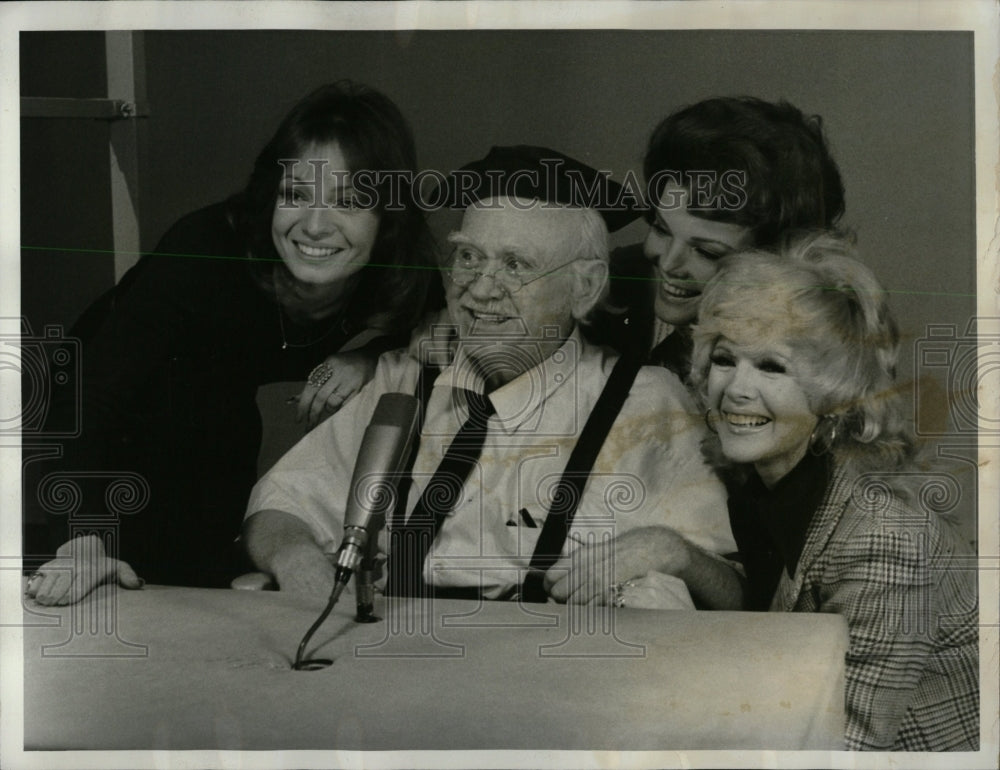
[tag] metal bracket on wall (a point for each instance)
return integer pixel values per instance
(94, 109)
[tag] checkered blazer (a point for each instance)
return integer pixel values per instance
(908, 591)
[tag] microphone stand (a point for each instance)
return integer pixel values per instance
(364, 578)
(356, 556)
(384, 447)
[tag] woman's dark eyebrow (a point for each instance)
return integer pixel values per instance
(291, 175)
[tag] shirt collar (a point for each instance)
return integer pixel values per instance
(661, 330)
(520, 399)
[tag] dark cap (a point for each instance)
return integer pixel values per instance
(538, 173)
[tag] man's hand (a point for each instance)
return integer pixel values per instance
(591, 571)
(283, 546)
(303, 568)
(332, 383)
(80, 566)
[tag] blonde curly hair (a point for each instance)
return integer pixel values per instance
(816, 296)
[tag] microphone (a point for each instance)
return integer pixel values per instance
(384, 449)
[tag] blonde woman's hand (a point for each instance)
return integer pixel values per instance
(590, 571)
(333, 382)
(79, 567)
(654, 591)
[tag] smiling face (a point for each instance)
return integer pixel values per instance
(686, 250)
(320, 232)
(524, 326)
(764, 414)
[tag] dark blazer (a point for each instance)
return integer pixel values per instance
(907, 588)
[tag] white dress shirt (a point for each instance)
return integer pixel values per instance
(649, 471)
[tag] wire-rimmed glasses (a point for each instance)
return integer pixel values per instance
(467, 265)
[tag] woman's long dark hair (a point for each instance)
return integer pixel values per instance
(374, 137)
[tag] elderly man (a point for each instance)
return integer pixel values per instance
(569, 446)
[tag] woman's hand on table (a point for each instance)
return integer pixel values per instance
(654, 591)
(591, 572)
(333, 382)
(79, 567)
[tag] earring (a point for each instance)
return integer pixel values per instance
(710, 422)
(823, 435)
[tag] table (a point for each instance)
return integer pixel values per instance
(181, 668)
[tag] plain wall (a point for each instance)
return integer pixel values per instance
(897, 107)
(65, 197)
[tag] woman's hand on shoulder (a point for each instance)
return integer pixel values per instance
(79, 567)
(333, 382)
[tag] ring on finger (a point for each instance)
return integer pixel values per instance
(319, 376)
(618, 592)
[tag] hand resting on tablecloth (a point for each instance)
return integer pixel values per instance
(590, 572)
(79, 567)
(655, 591)
(283, 546)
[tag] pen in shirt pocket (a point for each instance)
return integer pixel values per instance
(525, 519)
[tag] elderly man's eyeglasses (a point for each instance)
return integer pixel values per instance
(513, 273)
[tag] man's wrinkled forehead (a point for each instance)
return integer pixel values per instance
(519, 226)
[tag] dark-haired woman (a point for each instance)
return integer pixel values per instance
(282, 282)
(723, 174)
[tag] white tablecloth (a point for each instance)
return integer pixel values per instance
(175, 668)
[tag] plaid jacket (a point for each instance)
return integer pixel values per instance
(908, 591)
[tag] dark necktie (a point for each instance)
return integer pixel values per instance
(410, 544)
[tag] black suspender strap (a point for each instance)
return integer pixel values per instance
(567, 496)
(574, 478)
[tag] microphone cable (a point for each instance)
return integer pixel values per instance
(314, 664)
